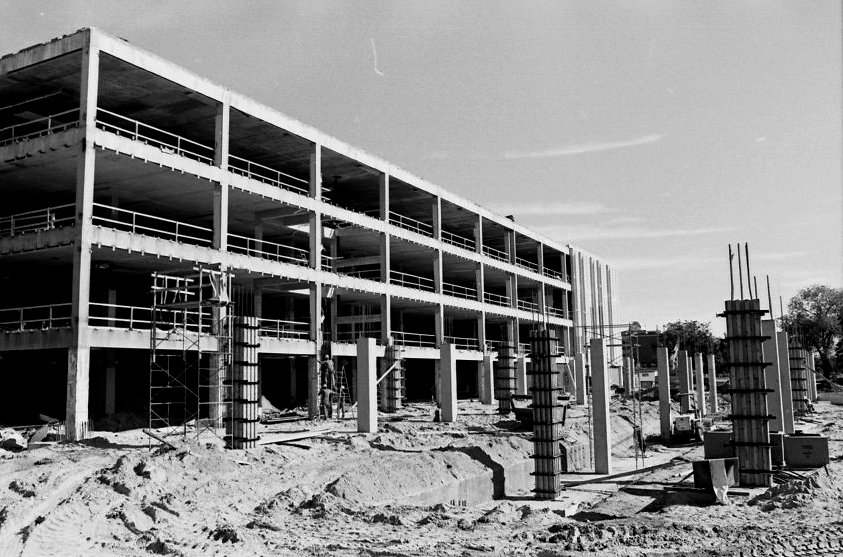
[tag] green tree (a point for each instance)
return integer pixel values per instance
(816, 315)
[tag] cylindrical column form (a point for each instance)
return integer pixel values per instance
(665, 420)
(683, 374)
(772, 374)
(394, 381)
(504, 368)
(750, 418)
(366, 378)
(712, 386)
(600, 405)
(547, 415)
(698, 369)
(245, 395)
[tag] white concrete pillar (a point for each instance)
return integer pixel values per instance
(521, 376)
(313, 362)
(486, 380)
(437, 380)
(366, 379)
(383, 197)
(698, 369)
(600, 407)
(579, 377)
(627, 377)
(448, 401)
(772, 374)
(221, 132)
(812, 377)
(79, 350)
(665, 419)
(436, 213)
(713, 405)
(683, 374)
(784, 382)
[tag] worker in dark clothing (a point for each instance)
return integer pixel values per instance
(341, 403)
(326, 409)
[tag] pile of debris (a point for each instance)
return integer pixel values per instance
(17, 439)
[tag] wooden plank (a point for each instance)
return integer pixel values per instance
(288, 437)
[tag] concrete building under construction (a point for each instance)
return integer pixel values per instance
(125, 179)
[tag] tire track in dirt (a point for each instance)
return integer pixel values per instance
(15, 533)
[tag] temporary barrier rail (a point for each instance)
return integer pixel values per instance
(47, 125)
(39, 219)
(527, 306)
(526, 264)
(411, 224)
(459, 241)
(267, 175)
(414, 339)
(280, 328)
(495, 253)
(268, 250)
(497, 299)
(141, 223)
(140, 318)
(150, 135)
(33, 318)
(459, 291)
(463, 343)
(411, 281)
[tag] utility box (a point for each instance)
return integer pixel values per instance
(806, 450)
(715, 470)
(718, 444)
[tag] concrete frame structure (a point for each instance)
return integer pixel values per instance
(119, 163)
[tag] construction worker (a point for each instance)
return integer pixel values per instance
(326, 409)
(341, 403)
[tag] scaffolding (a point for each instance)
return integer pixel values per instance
(190, 353)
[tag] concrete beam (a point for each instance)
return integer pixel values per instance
(600, 407)
(448, 380)
(367, 400)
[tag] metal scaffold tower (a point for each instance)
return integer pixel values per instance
(190, 353)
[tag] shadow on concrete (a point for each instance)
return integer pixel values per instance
(478, 454)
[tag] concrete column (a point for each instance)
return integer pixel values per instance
(221, 132)
(437, 272)
(437, 380)
(683, 374)
(698, 368)
(665, 419)
(480, 282)
(366, 379)
(448, 401)
(478, 235)
(486, 380)
(627, 377)
(784, 382)
(383, 197)
(772, 374)
(540, 258)
(521, 376)
(436, 211)
(79, 350)
(812, 377)
(600, 408)
(512, 290)
(221, 216)
(110, 367)
(313, 379)
(579, 377)
(439, 325)
(712, 386)
(508, 236)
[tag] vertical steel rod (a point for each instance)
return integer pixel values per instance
(740, 270)
(748, 284)
(731, 273)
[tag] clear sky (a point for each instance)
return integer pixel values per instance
(651, 133)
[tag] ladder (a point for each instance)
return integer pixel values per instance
(344, 394)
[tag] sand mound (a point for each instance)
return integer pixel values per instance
(818, 486)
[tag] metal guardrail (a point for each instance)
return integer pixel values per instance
(150, 135)
(267, 175)
(141, 223)
(463, 343)
(497, 299)
(35, 318)
(118, 316)
(39, 219)
(495, 253)
(411, 281)
(350, 337)
(422, 340)
(280, 328)
(268, 250)
(47, 125)
(524, 347)
(556, 312)
(527, 306)
(409, 223)
(555, 274)
(459, 291)
(459, 241)
(526, 264)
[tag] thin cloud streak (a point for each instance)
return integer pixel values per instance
(575, 233)
(554, 209)
(582, 148)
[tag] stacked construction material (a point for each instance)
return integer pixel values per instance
(748, 388)
(548, 415)
(504, 370)
(244, 384)
(798, 377)
(395, 378)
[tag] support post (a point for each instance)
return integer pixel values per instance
(313, 362)
(784, 381)
(600, 407)
(486, 380)
(698, 368)
(772, 374)
(367, 400)
(579, 374)
(520, 374)
(683, 375)
(448, 363)
(627, 377)
(665, 419)
(712, 386)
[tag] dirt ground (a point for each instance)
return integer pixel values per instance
(414, 488)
